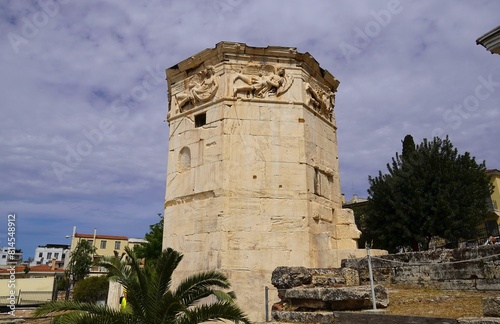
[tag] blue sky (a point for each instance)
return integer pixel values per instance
(83, 141)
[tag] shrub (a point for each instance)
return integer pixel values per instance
(91, 289)
(62, 283)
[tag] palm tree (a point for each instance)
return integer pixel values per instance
(150, 297)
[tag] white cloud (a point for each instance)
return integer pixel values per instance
(85, 64)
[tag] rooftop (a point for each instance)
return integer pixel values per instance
(491, 40)
(101, 236)
(57, 246)
(42, 268)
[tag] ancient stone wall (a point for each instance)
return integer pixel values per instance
(474, 268)
(319, 295)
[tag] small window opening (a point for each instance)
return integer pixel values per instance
(200, 120)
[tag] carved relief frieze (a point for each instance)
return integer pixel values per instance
(199, 88)
(320, 99)
(261, 81)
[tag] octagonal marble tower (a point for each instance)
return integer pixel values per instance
(252, 177)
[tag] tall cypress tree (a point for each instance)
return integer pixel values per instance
(429, 190)
(408, 147)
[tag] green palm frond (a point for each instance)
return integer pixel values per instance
(76, 312)
(57, 306)
(225, 296)
(118, 270)
(215, 311)
(88, 318)
(158, 276)
(200, 285)
(169, 308)
(165, 267)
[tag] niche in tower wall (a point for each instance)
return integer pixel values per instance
(184, 162)
(322, 183)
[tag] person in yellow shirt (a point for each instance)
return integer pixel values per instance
(123, 300)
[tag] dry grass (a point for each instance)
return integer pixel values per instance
(435, 303)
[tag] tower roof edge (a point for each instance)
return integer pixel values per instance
(225, 50)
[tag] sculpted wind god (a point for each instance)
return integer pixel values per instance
(323, 101)
(263, 83)
(201, 88)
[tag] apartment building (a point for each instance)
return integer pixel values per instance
(46, 254)
(10, 256)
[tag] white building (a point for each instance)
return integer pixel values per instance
(134, 241)
(46, 253)
(6, 257)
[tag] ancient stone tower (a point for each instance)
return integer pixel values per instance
(253, 179)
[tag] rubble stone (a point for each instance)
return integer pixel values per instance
(491, 306)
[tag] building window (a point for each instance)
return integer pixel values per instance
(56, 255)
(4, 256)
(49, 255)
(200, 120)
(117, 245)
(492, 228)
(103, 244)
(91, 242)
(184, 162)
(40, 254)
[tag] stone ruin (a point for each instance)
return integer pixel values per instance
(336, 295)
(470, 268)
(312, 295)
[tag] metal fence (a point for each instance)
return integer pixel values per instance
(28, 298)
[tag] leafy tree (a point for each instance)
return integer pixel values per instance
(81, 260)
(429, 190)
(63, 283)
(150, 297)
(91, 289)
(152, 249)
